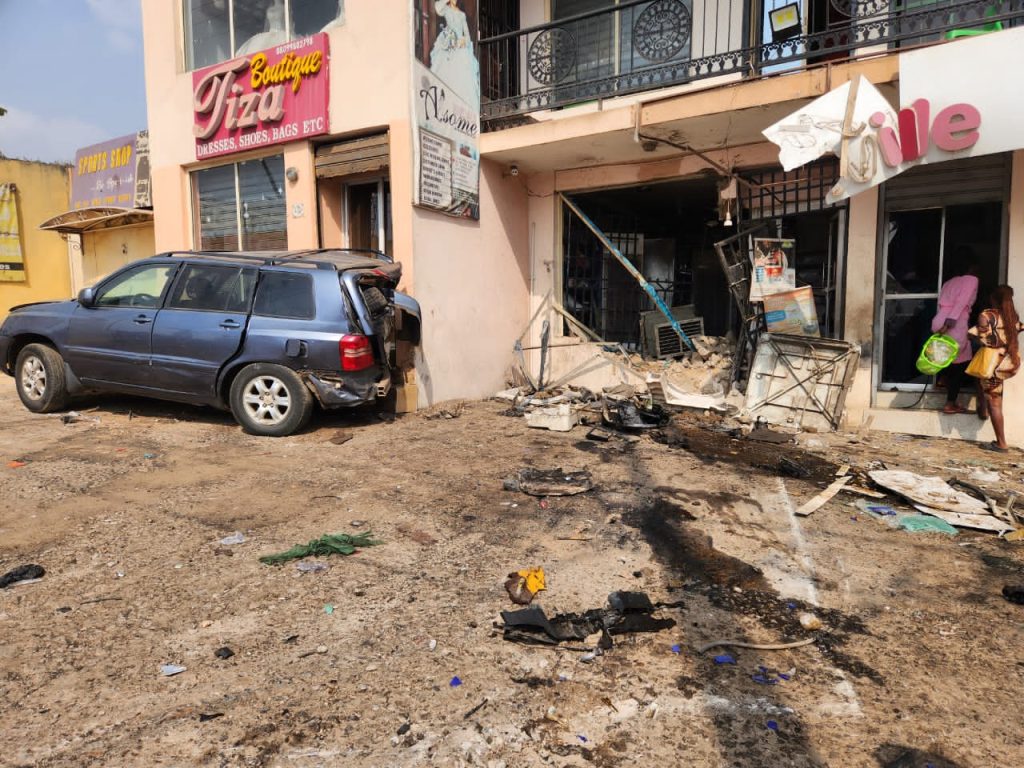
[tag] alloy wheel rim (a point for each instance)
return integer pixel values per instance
(266, 400)
(33, 378)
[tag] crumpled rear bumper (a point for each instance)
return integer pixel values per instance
(346, 390)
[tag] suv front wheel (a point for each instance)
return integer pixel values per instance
(40, 380)
(270, 400)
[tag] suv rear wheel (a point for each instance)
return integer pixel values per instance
(39, 377)
(270, 400)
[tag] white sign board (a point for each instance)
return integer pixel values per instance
(982, 71)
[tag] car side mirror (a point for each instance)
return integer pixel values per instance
(87, 297)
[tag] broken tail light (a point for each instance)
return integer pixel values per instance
(356, 352)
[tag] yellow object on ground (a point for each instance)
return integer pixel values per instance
(522, 586)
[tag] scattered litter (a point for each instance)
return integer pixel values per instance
(22, 573)
(790, 468)
(340, 438)
(820, 500)
(455, 682)
(311, 566)
(328, 609)
(561, 418)
(765, 435)
(755, 646)
(581, 737)
(449, 410)
(206, 717)
(810, 621)
(675, 648)
(16, 464)
(940, 499)
(235, 538)
(724, 658)
(522, 586)
(74, 417)
(475, 709)
(627, 415)
(1015, 594)
(881, 510)
(764, 679)
(432, 644)
(1017, 535)
(550, 482)
(149, 455)
(627, 612)
(985, 476)
(224, 653)
(927, 524)
(599, 434)
(766, 676)
(170, 670)
(772, 726)
(336, 544)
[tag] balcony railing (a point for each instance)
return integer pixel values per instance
(640, 45)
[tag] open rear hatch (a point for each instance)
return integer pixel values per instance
(370, 294)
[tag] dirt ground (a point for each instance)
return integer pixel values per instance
(920, 661)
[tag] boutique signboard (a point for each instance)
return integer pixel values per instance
(265, 98)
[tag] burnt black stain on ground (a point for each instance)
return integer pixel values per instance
(899, 756)
(732, 585)
(708, 443)
(714, 499)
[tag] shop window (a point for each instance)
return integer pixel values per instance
(216, 30)
(208, 288)
(241, 206)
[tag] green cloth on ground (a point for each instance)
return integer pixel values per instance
(328, 544)
(927, 524)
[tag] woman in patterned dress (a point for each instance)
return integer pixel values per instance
(998, 329)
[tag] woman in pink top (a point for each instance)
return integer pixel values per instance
(953, 318)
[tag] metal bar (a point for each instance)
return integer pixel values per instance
(566, 20)
(628, 266)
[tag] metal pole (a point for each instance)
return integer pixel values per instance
(628, 265)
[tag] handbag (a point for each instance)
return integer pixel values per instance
(984, 363)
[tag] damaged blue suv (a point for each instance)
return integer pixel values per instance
(264, 335)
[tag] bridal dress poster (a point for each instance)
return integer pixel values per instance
(446, 103)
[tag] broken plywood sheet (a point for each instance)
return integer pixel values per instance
(934, 496)
(960, 520)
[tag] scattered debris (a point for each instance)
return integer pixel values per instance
(74, 417)
(330, 544)
(724, 658)
(447, 410)
(627, 612)
(809, 621)
(340, 438)
(204, 717)
(561, 418)
(822, 498)
(755, 646)
(22, 573)
(550, 482)
(149, 455)
(16, 463)
(926, 524)
(762, 434)
(627, 416)
(455, 682)
(311, 566)
(523, 586)
(1015, 594)
(599, 435)
(935, 497)
(170, 670)
(235, 538)
(475, 709)
(224, 653)
(328, 609)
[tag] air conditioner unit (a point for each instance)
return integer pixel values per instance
(660, 340)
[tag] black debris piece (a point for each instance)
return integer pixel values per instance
(599, 434)
(790, 468)
(22, 573)
(628, 416)
(550, 482)
(404, 729)
(224, 653)
(204, 717)
(765, 435)
(627, 612)
(1014, 593)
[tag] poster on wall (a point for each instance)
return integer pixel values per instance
(263, 98)
(771, 259)
(446, 102)
(12, 260)
(113, 173)
(792, 312)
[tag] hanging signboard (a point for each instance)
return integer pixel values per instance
(270, 97)
(771, 273)
(446, 103)
(112, 173)
(12, 260)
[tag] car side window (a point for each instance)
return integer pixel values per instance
(285, 294)
(213, 288)
(139, 287)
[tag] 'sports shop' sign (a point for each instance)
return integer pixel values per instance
(274, 96)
